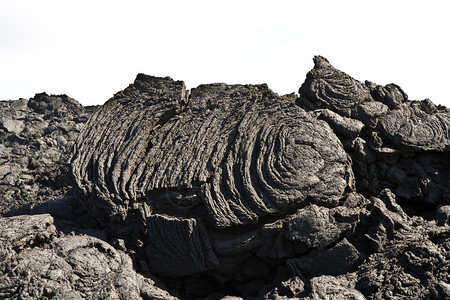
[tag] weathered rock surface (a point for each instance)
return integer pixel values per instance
(170, 239)
(315, 227)
(327, 87)
(110, 148)
(228, 157)
(340, 259)
(403, 145)
(418, 125)
(36, 137)
(242, 152)
(329, 287)
(413, 264)
(232, 192)
(37, 263)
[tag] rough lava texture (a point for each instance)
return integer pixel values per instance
(37, 263)
(231, 192)
(36, 137)
(327, 87)
(241, 152)
(418, 125)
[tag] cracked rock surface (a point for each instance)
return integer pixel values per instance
(231, 192)
(36, 137)
(238, 152)
(37, 263)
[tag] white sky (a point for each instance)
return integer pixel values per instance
(90, 50)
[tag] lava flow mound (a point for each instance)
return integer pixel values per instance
(233, 191)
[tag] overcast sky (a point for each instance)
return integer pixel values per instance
(90, 50)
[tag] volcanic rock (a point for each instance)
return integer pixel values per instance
(36, 137)
(227, 192)
(241, 152)
(419, 126)
(38, 264)
(328, 87)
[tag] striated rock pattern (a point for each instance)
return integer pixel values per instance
(327, 87)
(419, 126)
(241, 151)
(170, 239)
(403, 145)
(125, 122)
(233, 192)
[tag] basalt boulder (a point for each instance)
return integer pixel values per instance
(240, 152)
(420, 126)
(215, 169)
(399, 144)
(328, 87)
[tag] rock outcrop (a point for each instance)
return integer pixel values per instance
(39, 263)
(231, 192)
(240, 152)
(36, 138)
(327, 87)
(420, 126)
(403, 145)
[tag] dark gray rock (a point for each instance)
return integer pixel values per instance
(398, 135)
(229, 190)
(391, 94)
(443, 215)
(370, 112)
(410, 266)
(441, 291)
(342, 258)
(37, 263)
(333, 288)
(347, 127)
(13, 126)
(291, 288)
(178, 247)
(416, 126)
(229, 143)
(235, 243)
(273, 165)
(315, 227)
(328, 87)
(387, 217)
(36, 137)
(55, 106)
(19, 232)
(127, 121)
(362, 151)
